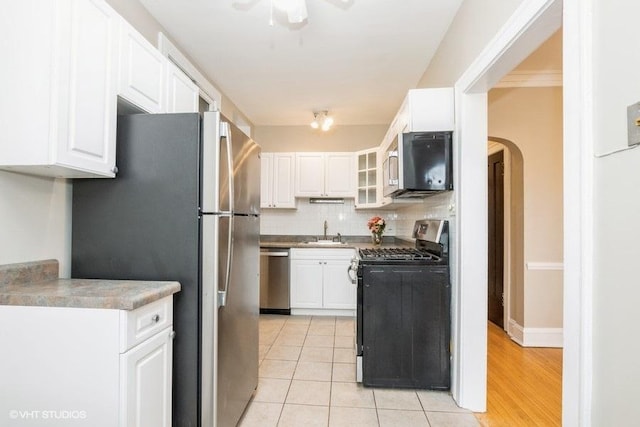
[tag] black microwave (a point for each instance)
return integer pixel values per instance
(418, 164)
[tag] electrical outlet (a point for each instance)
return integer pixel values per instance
(633, 124)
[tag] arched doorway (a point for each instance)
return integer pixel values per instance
(505, 245)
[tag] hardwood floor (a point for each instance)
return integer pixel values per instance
(524, 385)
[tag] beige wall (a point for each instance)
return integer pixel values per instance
(476, 22)
(548, 57)
(35, 220)
(531, 118)
(303, 138)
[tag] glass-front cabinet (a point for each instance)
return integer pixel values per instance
(367, 178)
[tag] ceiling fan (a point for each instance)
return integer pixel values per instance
(296, 10)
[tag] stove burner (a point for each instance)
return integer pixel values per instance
(383, 254)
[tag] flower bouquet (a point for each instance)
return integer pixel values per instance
(376, 225)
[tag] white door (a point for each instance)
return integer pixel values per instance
(182, 93)
(339, 175)
(338, 291)
(283, 179)
(306, 283)
(142, 71)
(266, 180)
(309, 174)
(146, 382)
(89, 101)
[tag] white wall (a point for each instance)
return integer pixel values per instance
(35, 219)
(616, 213)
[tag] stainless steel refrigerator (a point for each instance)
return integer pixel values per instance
(184, 206)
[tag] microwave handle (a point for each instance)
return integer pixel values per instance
(392, 155)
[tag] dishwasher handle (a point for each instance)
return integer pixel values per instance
(280, 254)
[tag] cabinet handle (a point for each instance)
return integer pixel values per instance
(114, 169)
(172, 335)
(155, 318)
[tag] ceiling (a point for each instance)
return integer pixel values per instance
(355, 58)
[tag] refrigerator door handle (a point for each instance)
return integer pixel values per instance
(222, 293)
(225, 132)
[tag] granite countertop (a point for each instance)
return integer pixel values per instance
(37, 284)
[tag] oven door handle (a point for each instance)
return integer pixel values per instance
(353, 267)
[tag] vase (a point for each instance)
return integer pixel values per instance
(376, 238)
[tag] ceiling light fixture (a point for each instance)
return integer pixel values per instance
(322, 120)
(296, 10)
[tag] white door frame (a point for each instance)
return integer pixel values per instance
(531, 24)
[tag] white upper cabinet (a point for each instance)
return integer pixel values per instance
(367, 178)
(59, 84)
(324, 175)
(426, 110)
(276, 182)
(182, 93)
(142, 71)
(338, 175)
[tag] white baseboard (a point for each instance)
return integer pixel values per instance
(322, 312)
(535, 337)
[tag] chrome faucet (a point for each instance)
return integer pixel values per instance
(325, 229)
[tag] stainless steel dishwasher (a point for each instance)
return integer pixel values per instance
(274, 281)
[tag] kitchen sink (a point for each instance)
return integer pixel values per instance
(326, 243)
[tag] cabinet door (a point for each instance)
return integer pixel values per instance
(283, 178)
(86, 131)
(338, 291)
(146, 382)
(266, 180)
(306, 283)
(339, 175)
(142, 72)
(309, 175)
(182, 93)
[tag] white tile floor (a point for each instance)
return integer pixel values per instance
(307, 378)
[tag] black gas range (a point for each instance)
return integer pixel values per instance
(403, 312)
(431, 247)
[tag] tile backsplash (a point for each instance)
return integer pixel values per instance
(308, 219)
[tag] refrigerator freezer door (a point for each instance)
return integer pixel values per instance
(223, 171)
(237, 367)
(214, 177)
(246, 172)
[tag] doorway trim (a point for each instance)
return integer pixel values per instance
(531, 24)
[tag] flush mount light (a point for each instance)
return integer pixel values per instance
(322, 120)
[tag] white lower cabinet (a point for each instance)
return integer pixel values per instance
(145, 380)
(320, 283)
(64, 366)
